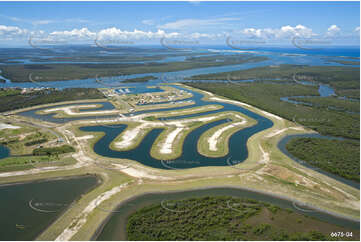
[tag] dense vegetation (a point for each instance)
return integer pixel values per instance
(335, 156)
(61, 72)
(223, 218)
(320, 117)
(267, 97)
(342, 78)
(15, 100)
(9, 92)
(140, 79)
(36, 142)
(334, 103)
(53, 150)
(344, 62)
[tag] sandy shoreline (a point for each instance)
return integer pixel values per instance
(213, 139)
(80, 220)
(168, 143)
(69, 110)
(8, 126)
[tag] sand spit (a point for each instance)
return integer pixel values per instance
(69, 110)
(81, 219)
(213, 140)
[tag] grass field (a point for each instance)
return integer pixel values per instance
(23, 140)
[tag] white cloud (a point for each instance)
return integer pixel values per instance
(333, 30)
(283, 32)
(148, 22)
(194, 2)
(76, 20)
(115, 33)
(42, 22)
(197, 35)
(12, 32)
(77, 34)
(15, 19)
(196, 23)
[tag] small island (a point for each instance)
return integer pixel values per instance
(140, 79)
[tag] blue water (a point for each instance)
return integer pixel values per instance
(325, 90)
(350, 51)
(4, 152)
(277, 55)
(190, 156)
(237, 144)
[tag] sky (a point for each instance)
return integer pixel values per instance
(201, 22)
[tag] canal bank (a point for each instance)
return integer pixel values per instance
(282, 147)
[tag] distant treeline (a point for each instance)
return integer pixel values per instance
(140, 79)
(12, 100)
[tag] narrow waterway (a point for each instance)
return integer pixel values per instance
(4, 152)
(190, 156)
(282, 146)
